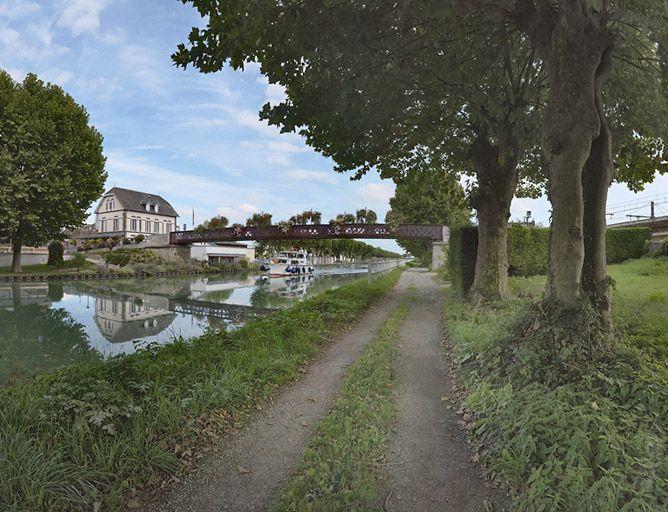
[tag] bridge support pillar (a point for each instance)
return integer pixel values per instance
(439, 254)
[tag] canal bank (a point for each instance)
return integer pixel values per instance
(94, 433)
(47, 325)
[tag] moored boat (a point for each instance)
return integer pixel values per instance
(288, 263)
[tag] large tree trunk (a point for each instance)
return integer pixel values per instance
(572, 123)
(16, 256)
(596, 179)
(496, 172)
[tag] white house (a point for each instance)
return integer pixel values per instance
(124, 213)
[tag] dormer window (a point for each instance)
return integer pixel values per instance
(152, 208)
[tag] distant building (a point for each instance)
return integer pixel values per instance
(658, 225)
(221, 252)
(124, 213)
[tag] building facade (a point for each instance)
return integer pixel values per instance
(221, 252)
(124, 213)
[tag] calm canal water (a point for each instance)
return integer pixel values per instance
(44, 326)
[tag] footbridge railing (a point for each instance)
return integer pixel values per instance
(431, 232)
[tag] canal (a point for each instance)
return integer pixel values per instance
(46, 325)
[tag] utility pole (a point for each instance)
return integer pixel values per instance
(651, 210)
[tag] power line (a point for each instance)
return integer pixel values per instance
(635, 207)
(640, 199)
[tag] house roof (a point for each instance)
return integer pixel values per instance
(134, 201)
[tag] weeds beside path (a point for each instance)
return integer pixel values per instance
(587, 441)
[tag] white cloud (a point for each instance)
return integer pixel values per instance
(275, 93)
(13, 9)
(377, 193)
(82, 16)
(251, 120)
(141, 63)
(16, 73)
(57, 76)
(101, 87)
(280, 159)
(285, 147)
(201, 122)
(178, 186)
(303, 174)
(238, 213)
(18, 46)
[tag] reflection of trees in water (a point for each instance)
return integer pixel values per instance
(262, 297)
(295, 288)
(35, 338)
(55, 293)
(216, 295)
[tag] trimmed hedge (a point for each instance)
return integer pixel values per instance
(527, 250)
(462, 250)
(626, 243)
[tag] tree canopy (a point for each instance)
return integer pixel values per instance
(217, 222)
(510, 92)
(51, 162)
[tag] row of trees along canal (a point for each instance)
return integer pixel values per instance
(51, 163)
(352, 249)
(521, 96)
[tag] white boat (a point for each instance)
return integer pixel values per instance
(288, 263)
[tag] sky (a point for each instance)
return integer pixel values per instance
(195, 139)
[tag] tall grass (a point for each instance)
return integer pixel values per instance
(593, 443)
(93, 434)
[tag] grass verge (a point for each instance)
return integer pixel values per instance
(596, 442)
(336, 472)
(67, 267)
(90, 436)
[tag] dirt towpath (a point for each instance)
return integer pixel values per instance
(428, 465)
(248, 469)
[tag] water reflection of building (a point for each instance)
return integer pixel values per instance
(126, 318)
(12, 295)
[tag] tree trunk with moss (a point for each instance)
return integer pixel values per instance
(596, 179)
(572, 123)
(496, 173)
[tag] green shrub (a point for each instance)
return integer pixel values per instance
(592, 442)
(462, 250)
(662, 250)
(626, 243)
(55, 253)
(120, 258)
(139, 238)
(527, 250)
(78, 261)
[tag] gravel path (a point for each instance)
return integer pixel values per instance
(428, 466)
(249, 468)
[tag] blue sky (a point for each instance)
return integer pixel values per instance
(196, 139)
